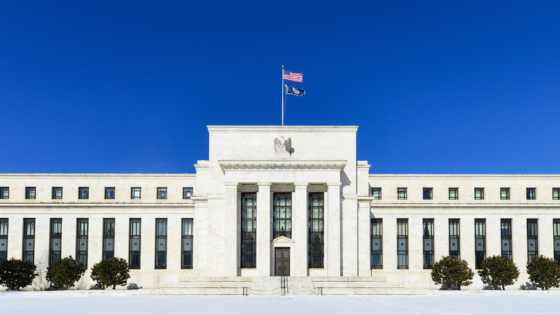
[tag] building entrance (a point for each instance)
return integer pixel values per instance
(282, 261)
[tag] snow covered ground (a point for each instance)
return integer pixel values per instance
(128, 302)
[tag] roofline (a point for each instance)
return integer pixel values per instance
(282, 128)
(98, 174)
(462, 175)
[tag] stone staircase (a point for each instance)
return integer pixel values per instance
(360, 286)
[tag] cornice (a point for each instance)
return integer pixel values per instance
(233, 129)
(238, 165)
(466, 205)
(94, 205)
(464, 176)
(94, 175)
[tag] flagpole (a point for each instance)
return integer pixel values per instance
(282, 95)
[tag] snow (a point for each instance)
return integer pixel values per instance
(129, 302)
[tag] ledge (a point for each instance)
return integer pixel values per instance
(233, 165)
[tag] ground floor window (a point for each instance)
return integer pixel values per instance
(282, 211)
(532, 239)
(480, 241)
(187, 244)
(3, 240)
(316, 244)
(506, 238)
(402, 243)
(135, 243)
(29, 240)
(428, 236)
(248, 230)
(108, 238)
(454, 238)
(161, 244)
(376, 243)
(82, 231)
(55, 241)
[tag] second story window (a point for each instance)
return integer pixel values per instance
(555, 193)
(135, 193)
(30, 193)
(83, 193)
(162, 193)
(109, 192)
(479, 194)
(376, 193)
(427, 193)
(57, 193)
(4, 192)
(453, 193)
(531, 193)
(187, 192)
(401, 194)
(504, 193)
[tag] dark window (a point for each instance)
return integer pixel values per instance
(453, 193)
(135, 243)
(402, 243)
(376, 243)
(401, 193)
(30, 193)
(532, 239)
(3, 240)
(479, 194)
(427, 193)
(187, 192)
(161, 243)
(162, 193)
(29, 240)
(248, 230)
(57, 193)
(83, 193)
(135, 193)
(316, 221)
(55, 241)
(376, 193)
(504, 193)
(531, 193)
(506, 239)
(108, 238)
(556, 232)
(428, 236)
(282, 215)
(455, 238)
(555, 193)
(109, 192)
(82, 241)
(480, 241)
(4, 192)
(187, 246)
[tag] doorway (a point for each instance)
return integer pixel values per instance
(282, 261)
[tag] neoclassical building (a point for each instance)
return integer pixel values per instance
(272, 201)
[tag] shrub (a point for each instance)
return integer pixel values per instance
(110, 272)
(452, 271)
(498, 272)
(16, 274)
(544, 272)
(65, 272)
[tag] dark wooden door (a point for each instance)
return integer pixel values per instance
(282, 264)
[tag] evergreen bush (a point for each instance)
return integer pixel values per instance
(452, 271)
(110, 272)
(65, 272)
(544, 272)
(16, 274)
(498, 272)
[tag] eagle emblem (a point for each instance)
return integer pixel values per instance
(281, 145)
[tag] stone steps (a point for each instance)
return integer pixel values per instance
(371, 291)
(333, 284)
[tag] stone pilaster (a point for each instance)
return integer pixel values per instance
(364, 239)
(299, 230)
(333, 231)
(231, 257)
(263, 230)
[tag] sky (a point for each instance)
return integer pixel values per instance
(458, 87)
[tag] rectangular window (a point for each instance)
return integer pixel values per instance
(453, 193)
(555, 193)
(480, 241)
(162, 193)
(506, 239)
(376, 243)
(82, 231)
(504, 193)
(55, 241)
(479, 194)
(427, 193)
(135, 243)
(455, 238)
(531, 193)
(556, 232)
(402, 243)
(187, 192)
(161, 243)
(29, 240)
(109, 192)
(401, 193)
(83, 193)
(4, 192)
(57, 193)
(248, 230)
(187, 244)
(108, 238)
(3, 240)
(376, 193)
(316, 221)
(532, 239)
(30, 193)
(282, 213)
(428, 236)
(135, 193)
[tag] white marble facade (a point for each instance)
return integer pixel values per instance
(243, 159)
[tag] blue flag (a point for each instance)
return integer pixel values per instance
(290, 90)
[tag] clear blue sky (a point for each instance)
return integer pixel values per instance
(435, 86)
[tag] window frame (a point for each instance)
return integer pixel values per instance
(81, 254)
(108, 226)
(506, 235)
(507, 191)
(81, 191)
(30, 193)
(534, 224)
(402, 255)
(26, 237)
(160, 261)
(135, 255)
(316, 230)
(185, 193)
(161, 193)
(55, 191)
(428, 239)
(107, 193)
(4, 233)
(556, 238)
(480, 255)
(5, 192)
(378, 190)
(557, 190)
(430, 190)
(481, 190)
(456, 190)
(54, 236)
(531, 193)
(132, 190)
(187, 238)
(376, 249)
(404, 191)
(455, 236)
(248, 244)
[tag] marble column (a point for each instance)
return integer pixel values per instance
(299, 230)
(333, 231)
(364, 237)
(263, 230)
(231, 257)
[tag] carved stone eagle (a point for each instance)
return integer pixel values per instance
(281, 145)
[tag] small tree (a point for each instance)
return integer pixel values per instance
(65, 272)
(498, 272)
(110, 272)
(452, 271)
(16, 274)
(544, 272)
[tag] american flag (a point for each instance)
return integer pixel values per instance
(293, 76)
